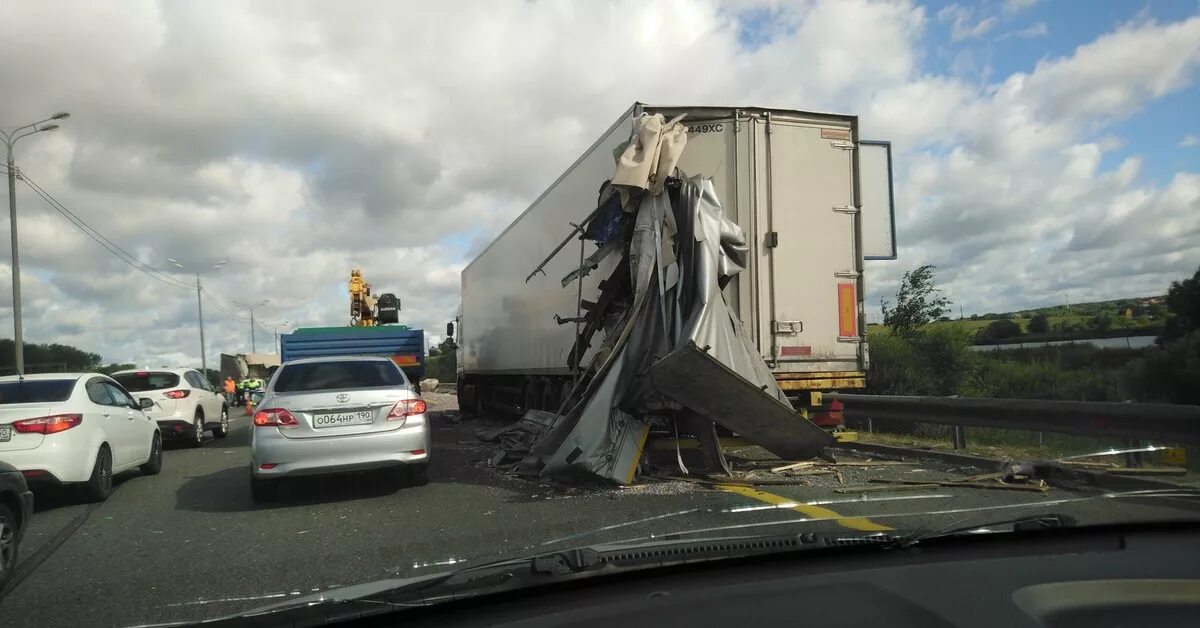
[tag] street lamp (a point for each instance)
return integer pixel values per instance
(252, 307)
(199, 311)
(10, 138)
(276, 326)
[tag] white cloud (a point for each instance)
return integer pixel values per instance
(300, 142)
(1012, 7)
(962, 22)
(1037, 29)
(1190, 140)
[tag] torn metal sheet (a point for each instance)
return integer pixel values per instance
(664, 298)
(692, 377)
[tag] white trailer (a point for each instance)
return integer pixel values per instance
(812, 199)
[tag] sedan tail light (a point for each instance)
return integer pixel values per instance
(176, 394)
(406, 407)
(277, 417)
(48, 424)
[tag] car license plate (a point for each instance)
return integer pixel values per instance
(339, 419)
(5, 433)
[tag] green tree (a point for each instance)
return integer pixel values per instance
(1101, 322)
(999, 329)
(1039, 324)
(918, 302)
(109, 369)
(1183, 302)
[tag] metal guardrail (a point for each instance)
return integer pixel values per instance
(1146, 421)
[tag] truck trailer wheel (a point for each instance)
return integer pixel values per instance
(466, 400)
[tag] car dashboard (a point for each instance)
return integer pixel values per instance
(1059, 579)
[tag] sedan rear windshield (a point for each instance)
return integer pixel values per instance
(36, 391)
(143, 381)
(338, 374)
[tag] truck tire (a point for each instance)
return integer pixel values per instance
(466, 400)
(480, 400)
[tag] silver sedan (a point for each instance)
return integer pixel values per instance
(338, 414)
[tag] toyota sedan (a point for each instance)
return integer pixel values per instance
(331, 415)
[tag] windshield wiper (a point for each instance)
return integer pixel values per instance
(1029, 524)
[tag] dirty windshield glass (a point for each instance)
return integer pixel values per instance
(142, 382)
(37, 390)
(406, 288)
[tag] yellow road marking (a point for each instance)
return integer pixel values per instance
(854, 523)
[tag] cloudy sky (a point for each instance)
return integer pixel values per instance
(1043, 149)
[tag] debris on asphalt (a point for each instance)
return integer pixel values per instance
(1038, 486)
(889, 487)
(1147, 471)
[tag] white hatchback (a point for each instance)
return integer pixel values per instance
(185, 404)
(75, 428)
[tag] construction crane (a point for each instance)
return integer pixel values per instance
(367, 310)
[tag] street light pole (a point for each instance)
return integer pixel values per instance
(10, 138)
(199, 312)
(275, 327)
(252, 307)
(200, 315)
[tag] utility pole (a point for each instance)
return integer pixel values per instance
(252, 307)
(275, 327)
(200, 311)
(10, 138)
(200, 315)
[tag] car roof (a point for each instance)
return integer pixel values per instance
(174, 371)
(337, 358)
(47, 376)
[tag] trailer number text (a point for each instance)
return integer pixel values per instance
(705, 128)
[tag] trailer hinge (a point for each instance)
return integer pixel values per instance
(847, 274)
(845, 209)
(772, 239)
(769, 123)
(841, 145)
(788, 327)
(737, 120)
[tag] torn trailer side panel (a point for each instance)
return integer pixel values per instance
(787, 178)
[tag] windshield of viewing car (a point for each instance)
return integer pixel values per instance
(316, 376)
(36, 391)
(147, 381)
(435, 283)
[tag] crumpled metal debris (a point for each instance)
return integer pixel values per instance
(661, 317)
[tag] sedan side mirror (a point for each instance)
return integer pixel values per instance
(144, 403)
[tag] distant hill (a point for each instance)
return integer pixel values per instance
(1138, 306)
(1096, 319)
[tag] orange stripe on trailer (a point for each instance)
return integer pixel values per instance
(405, 360)
(847, 310)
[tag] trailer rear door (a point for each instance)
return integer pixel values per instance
(814, 269)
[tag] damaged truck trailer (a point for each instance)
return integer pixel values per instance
(811, 200)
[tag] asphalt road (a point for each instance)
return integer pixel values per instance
(189, 543)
